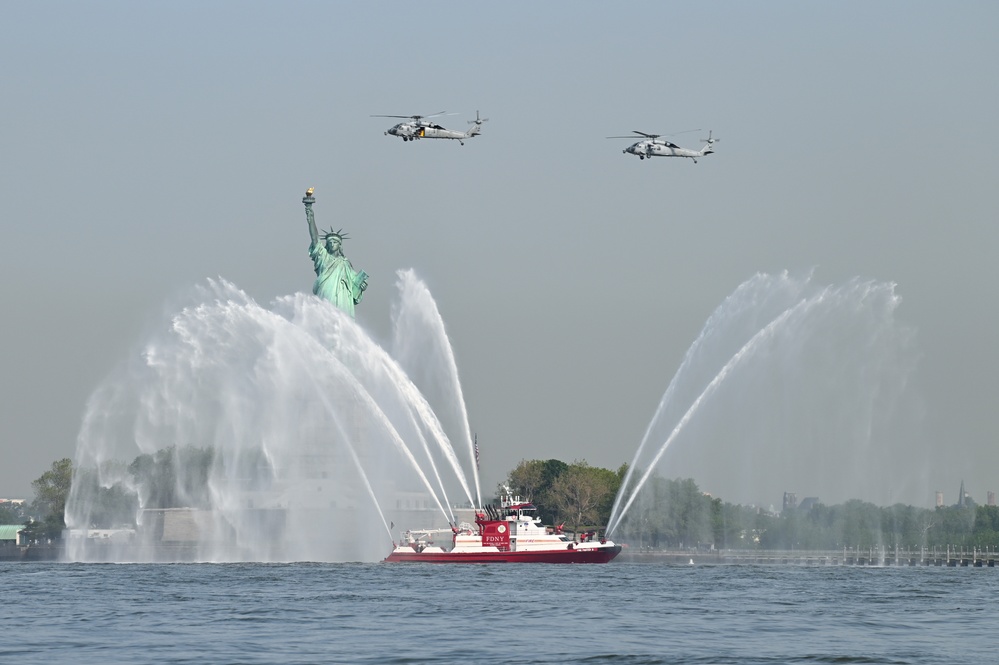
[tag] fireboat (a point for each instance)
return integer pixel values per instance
(511, 533)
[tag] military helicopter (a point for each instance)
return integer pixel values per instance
(407, 130)
(654, 145)
(418, 127)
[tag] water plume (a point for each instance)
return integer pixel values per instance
(245, 433)
(421, 346)
(789, 384)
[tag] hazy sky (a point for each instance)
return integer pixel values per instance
(145, 147)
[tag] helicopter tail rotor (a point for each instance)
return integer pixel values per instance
(476, 125)
(710, 140)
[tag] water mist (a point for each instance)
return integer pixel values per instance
(244, 433)
(789, 386)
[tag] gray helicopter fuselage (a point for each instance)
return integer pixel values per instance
(654, 148)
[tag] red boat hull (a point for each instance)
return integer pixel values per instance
(600, 555)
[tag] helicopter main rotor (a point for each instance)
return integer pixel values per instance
(417, 118)
(640, 135)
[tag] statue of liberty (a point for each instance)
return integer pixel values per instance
(336, 279)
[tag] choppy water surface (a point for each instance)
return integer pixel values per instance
(384, 613)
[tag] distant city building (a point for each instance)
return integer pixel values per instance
(808, 503)
(790, 501)
(963, 498)
(990, 498)
(10, 535)
(939, 499)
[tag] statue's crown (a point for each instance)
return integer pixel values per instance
(336, 234)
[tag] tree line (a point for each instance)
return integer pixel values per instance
(170, 478)
(676, 514)
(668, 514)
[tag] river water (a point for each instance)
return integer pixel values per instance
(524, 613)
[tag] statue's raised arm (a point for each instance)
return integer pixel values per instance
(336, 279)
(308, 200)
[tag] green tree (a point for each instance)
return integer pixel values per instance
(11, 514)
(955, 527)
(526, 479)
(692, 512)
(731, 525)
(985, 533)
(676, 513)
(174, 477)
(652, 523)
(579, 493)
(534, 479)
(109, 506)
(52, 488)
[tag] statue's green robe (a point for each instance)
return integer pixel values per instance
(336, 279)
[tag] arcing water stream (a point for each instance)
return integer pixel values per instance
(315, 432)
(797, 379)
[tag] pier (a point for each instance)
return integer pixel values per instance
(844, 557)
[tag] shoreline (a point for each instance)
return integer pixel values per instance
(874, 558)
